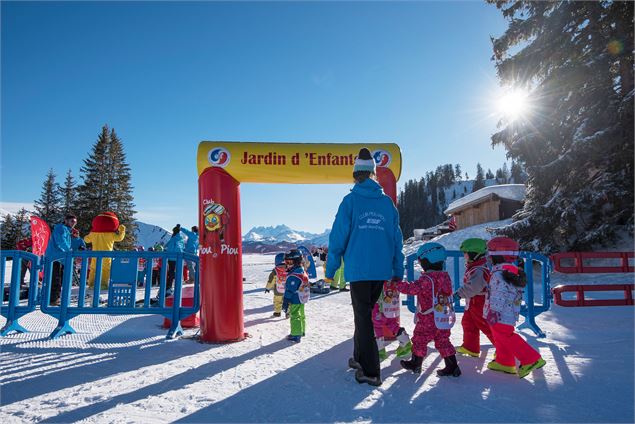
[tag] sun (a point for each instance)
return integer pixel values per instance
(514, 104)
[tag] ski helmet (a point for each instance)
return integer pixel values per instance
(294, 255)
(433, 252)
(505, 247)
(279, 260)
(474, 245)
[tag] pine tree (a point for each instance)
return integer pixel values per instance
(48, 205)
(457, 172)
(68, 194)
(575, 59)
(516, 172)
(467, 177)
(22, 224)
(106, 186)
(8, 233)
(121, 190)
(489, 175)
(479, 183)
(505, 173)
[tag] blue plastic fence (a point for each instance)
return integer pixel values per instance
(529, 309)
(11, 307)
(122, 288)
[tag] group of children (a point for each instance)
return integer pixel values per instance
(493, 286)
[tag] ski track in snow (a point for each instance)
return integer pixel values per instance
(120, 369)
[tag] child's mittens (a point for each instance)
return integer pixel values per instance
(267, 290)
(285, 306)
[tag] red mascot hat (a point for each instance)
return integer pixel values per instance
(106, 222)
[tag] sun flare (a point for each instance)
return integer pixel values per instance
(514, 104)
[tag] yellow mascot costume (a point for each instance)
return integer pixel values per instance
(104, 232)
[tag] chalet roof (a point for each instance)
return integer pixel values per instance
(505, 191)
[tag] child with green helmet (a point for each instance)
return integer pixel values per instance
(475, 282)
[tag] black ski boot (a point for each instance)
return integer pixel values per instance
(414, 364)
(451, 367)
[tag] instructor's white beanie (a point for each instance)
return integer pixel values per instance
(364, 162)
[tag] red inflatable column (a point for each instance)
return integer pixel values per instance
(221, 274)
(387, 180)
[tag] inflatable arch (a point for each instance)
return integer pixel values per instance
(222, 166)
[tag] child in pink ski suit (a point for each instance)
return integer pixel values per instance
(431, 258)
(502, 307)
(386, 318)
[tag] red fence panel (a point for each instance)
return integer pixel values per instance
(579, 267)
(582, 288)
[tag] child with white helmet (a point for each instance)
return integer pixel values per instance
(434, 294)
(502, 307)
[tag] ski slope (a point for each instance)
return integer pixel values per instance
(120, 369)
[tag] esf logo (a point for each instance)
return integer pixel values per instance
(382, 158)
(219, 157)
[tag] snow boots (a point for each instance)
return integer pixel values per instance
(467, 352)
(405, 345)
(362, 378)
(414, 364)
(451, 367)
(294, 339)
(495, 366)
(524, 370)
(352, 363)
(277, 314)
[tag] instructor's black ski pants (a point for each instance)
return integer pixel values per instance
(364, 295)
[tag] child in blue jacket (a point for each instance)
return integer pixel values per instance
(296, 294)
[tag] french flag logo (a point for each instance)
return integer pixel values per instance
(219, 157)
(382, 158)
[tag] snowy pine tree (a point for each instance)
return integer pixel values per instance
(479, 182)
(8, 235)
(457, 172)
(68, 194)
(575, 59)
(106, 186)
(48, 205)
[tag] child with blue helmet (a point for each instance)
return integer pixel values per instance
(434, 291)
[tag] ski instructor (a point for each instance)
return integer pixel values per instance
(367, 236)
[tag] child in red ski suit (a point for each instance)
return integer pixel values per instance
(473, 291)
(386, 318)
(502, 307)
(431, 258)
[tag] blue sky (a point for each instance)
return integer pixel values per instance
(168, 75)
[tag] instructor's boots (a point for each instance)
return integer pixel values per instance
(451, 367)
(414, 364)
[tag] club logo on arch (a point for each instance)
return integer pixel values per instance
(219, 156)
(382, 158)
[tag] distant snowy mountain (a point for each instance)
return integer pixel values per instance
(276, 234)
(279, 238)
(148, 235)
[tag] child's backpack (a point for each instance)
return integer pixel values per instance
(442, 308)
(389, 300)
(281, 279)
(304, 291)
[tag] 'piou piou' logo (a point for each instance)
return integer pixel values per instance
(382, 158)
(219, 156)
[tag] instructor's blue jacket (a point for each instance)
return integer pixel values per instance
(191, 245)
(366, 233)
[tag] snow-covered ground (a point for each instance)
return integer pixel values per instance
(121, 369)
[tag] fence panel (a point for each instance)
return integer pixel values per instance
(11, 307)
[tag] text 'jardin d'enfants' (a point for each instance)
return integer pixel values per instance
(312, 159)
